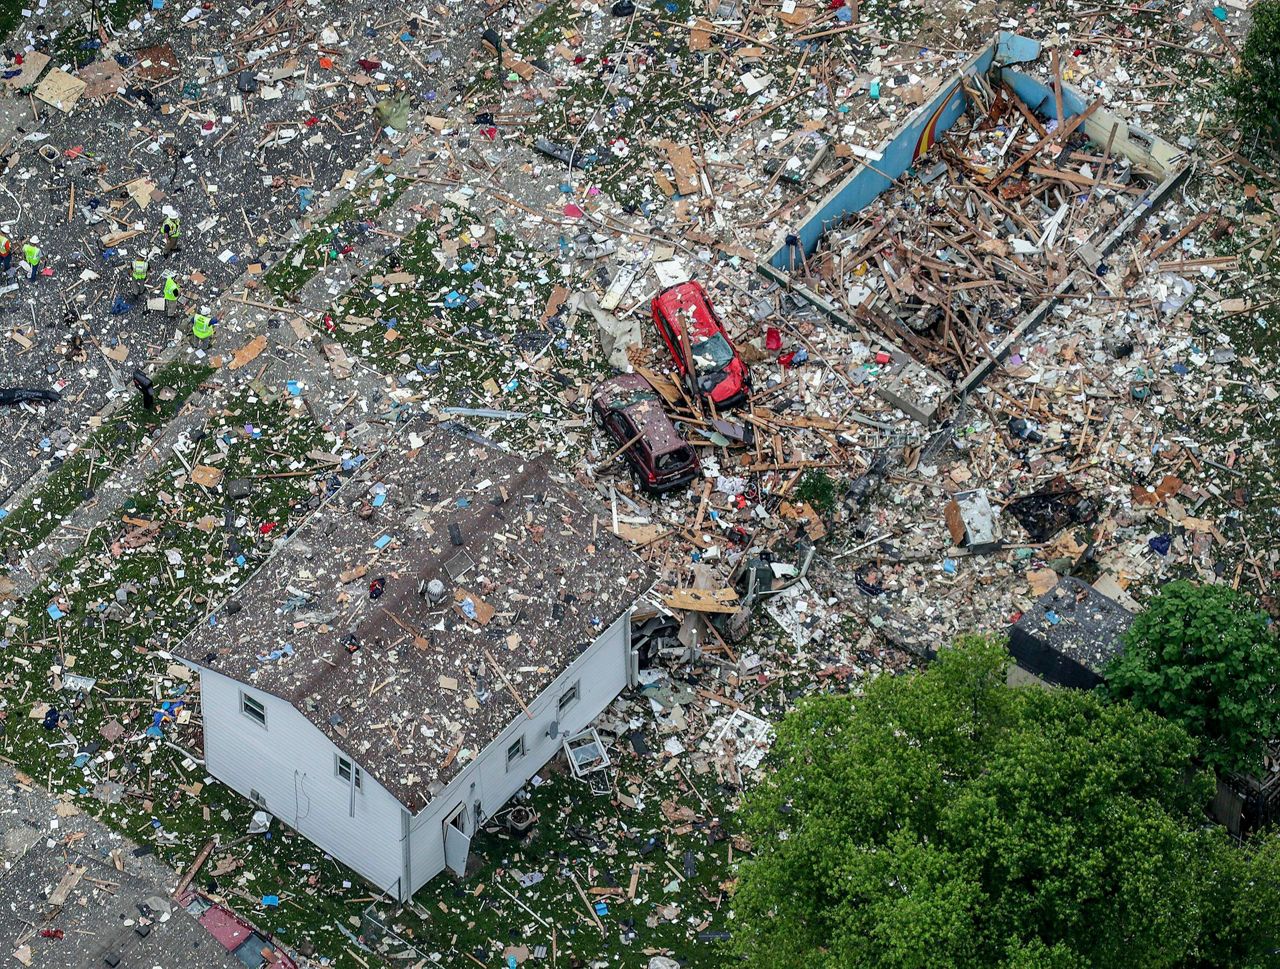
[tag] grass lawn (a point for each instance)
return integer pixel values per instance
(346, 224)
(470, 323)
(74, 481)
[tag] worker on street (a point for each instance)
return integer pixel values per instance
(172, 232)
(202, 331)
(31, 255)
(6, 253)
(170, 295)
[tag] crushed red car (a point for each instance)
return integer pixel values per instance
(629, 411)
(705, 357)
(254, 948)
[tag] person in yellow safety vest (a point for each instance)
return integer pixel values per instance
(31, 253)
(172, 232)
(6, 253)
(170, 296)
(140, 269)
(202, 331)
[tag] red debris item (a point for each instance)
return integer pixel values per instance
(266, 528)
(835, 4)
(326, 62)
(786, 358)
(1015, 617)
(742, 502)
(369, 65)
(772, 338)
(52, 933)
(312, 121)
(490, 132)
(882, 357)
(17, 59)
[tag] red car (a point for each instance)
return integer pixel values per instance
(629, 411)
(718, 373)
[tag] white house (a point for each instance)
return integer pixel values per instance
(415, 652)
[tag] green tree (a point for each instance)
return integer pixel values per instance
(1255, 86)
(1202, 656)
(945, 819)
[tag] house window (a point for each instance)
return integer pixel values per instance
(568, 698)
(515, 750)
(253, 709)
(348, 772)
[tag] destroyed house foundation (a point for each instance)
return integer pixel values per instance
(945, 254)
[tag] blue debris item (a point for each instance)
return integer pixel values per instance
(1220, 13)
(469, 267)
(1052, 617)
(294, 389)
(50, 721)
(453, 299)
(874, 89)
(271, 901)
(469, 608)
(119, 306)
(949, 566)
(379, 501)
(382, 541)
(1160, 544)
(54, 612)
(844, 15)
(602, 908)
(80, 761)
(305, 195)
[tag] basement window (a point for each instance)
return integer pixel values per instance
(253, 709)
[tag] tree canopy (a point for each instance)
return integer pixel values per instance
(945, 819)
(1202, 655)
(1255, 85)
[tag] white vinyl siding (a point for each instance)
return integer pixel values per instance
(599, 675)
(292, 769)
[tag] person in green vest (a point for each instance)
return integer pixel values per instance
(171, 229)
(170, 295)
(31, 255)
(140, 268)
(202, 331)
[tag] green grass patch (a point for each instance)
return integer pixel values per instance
(174, 546)
(106, 450)
(344, 225)
(470, 326)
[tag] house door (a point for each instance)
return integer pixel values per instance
(457, 843)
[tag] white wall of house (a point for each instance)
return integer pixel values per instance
(600, 673)
(291, 767)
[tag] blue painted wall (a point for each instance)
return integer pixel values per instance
(922, 128)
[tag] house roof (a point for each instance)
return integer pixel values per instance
(411, 690)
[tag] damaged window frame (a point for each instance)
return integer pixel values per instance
(568, 698)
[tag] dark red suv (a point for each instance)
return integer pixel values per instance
(629, 411)
(704, 354)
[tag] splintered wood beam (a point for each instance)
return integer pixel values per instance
(506, 682)
(1060, 134)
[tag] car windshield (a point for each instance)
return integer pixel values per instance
(673, 460)
(712, 354)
